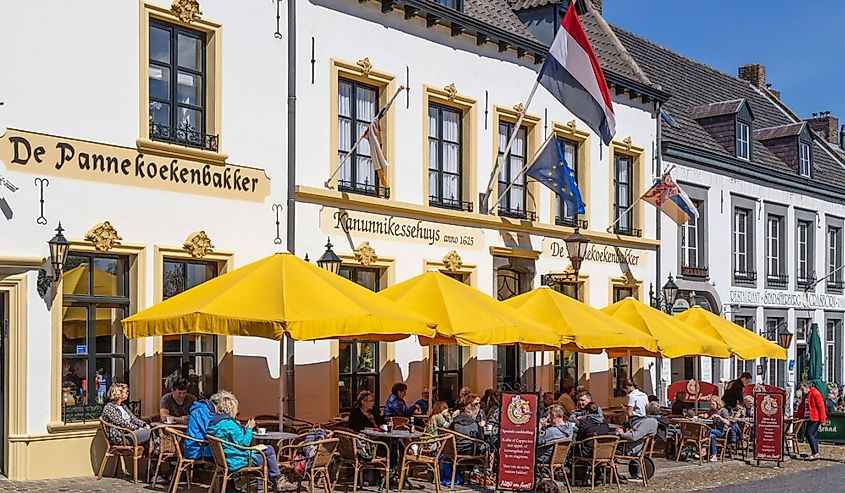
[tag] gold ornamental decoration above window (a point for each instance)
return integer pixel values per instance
(365, 254)
(451, 91)
(103, 236)
(198, 244)
(186, 10)
(365, 66)
(452, 261)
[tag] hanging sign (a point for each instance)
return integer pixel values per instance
(517, 442)
(768, 426)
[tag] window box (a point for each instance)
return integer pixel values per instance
(571, 222)
(363, 189)
(777, 280)
(446, 203)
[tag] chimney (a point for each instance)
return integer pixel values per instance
(825, 125)
(842, 136)
(597, 6)
(754, 73)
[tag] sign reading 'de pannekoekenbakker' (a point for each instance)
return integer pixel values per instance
(603, 254)
(42, 154)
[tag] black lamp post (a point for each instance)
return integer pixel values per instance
(329, 260)
(59, 247)
(665, 300)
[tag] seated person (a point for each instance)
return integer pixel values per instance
(680, 405)
(554, 428)
(548, 400)
(592, 424)
(744, 412)
(582, 399)
(566, 398)
(440, 417)
(395, 405)
(721, 423)
(176, 403)
(117, 414)
(422, 402)
(364, 413)
(830, 400)
(468, 423)
(635, 435)
(200, 416)
(224, 426)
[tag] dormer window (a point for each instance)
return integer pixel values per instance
(743, 140)
(804, 163)
(452, 4)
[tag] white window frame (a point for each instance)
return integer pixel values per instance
(803, 249)
(773, 255)
(834, 255)
(804, 164)
(743, 141)
(741, 239)
(689, 243)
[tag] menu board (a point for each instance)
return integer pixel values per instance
(768, 426)
(517, 442)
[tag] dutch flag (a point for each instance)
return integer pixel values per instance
(572, 74)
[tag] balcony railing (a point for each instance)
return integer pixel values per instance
(745, 277)
(694, 271)
(80, 413)
(184, 135)
(448, 203)
(804, 280)
(363, 189)
(572, 222)
(777, 280)
(517, 213)
(834, 285)
(627, 231)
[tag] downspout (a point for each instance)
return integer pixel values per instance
(658, 157)
(290, 368)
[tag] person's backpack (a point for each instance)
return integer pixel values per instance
(305, 458)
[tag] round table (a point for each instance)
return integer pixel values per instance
(273, 436)
(392, 435)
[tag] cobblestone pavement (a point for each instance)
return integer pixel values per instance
(728, 477)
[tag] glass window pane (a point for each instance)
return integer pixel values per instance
(447, 387)
(201, 382)
(451, 158)
(109, 275)
(188, 119)
(74, 380)
(159, 44)
(107, 371)
(365, 104)
(173, 281)
(367, 355)
(189, 89)
(109, 330)
(159, 82)
(200, 343)
(190, 52)
(198, 273)
(171, 343)
(345, 356)
(433, 155)
(433, 128)
(344, 100)
(74, 329)
(369, 279)
(451, 126)
(160, 113)
(345, 398)
(366, 382)
(171, 370)
(75, 278)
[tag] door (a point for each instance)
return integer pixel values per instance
(4, 334)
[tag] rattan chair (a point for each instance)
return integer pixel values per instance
(792, 436)
(604, 455)
(400, 422)
(183, 464)
(425, 452)
(348, 447)
(558, 462)
(480, 455)
(165, 452)
(126, 448)
(222, 474)
(695, 434)
(645, 453)
(294, 425)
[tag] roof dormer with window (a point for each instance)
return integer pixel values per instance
(730, 123)
(792, 143)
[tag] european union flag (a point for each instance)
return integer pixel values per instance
(551, 169)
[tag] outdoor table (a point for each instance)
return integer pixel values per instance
(393, 438)
(273, 436)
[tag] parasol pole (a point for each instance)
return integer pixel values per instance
(431, 349)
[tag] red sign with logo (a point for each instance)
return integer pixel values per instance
(695, 389)
(768, 426)
(517, 441)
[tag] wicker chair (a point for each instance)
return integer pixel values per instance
(400, 422)
(792, 436)
(640, 459)
(672, 439)
(744, 442)
(604, 457)
(450, 450)
(294, 425)
(126, 448)
(558, 462)
(424, 452)
(222, 474)
(694, 434)
(183, 464)
(166, 451)
(348, 447)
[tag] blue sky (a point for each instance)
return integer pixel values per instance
(797, 41)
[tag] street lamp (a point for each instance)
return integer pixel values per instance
(329, 260)
(59, 247)
(576, 247)
(666, 300)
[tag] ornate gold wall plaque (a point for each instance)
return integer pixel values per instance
(452, 261)
(519, 108)
(103, 236)
(628, 142)
(365, 66)
(571, 125)
(198, 244)
(365, 254)
(451, 91)
(186, 10)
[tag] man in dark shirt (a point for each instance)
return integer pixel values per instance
(177, 403)
(680, 405)
(733, 391)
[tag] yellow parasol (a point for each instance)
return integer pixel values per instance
(742, 342)
(590, 330)
(280, 294)
(468, 317)
(674, 338)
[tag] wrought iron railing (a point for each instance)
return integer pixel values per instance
(628, 231)
(81, 413)
(804, 280)
(777, 280)
(745, 277)
(372, 190)
(185, 135)
(572, 222)
(449, 203)
(694, 271)
(517, 213)
(835, 284)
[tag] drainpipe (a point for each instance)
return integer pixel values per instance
(290, 368)
(658, 156)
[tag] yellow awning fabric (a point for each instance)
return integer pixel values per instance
(742, 342)
(674, 338)
(468, 317)
(591, 330)
(277, 295)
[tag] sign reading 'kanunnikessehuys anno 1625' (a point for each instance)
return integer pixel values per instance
(386, 226)
(42, 154)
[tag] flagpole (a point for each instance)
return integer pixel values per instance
(497, 163)
(528, 164)
(361, 138)
(610, 228)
